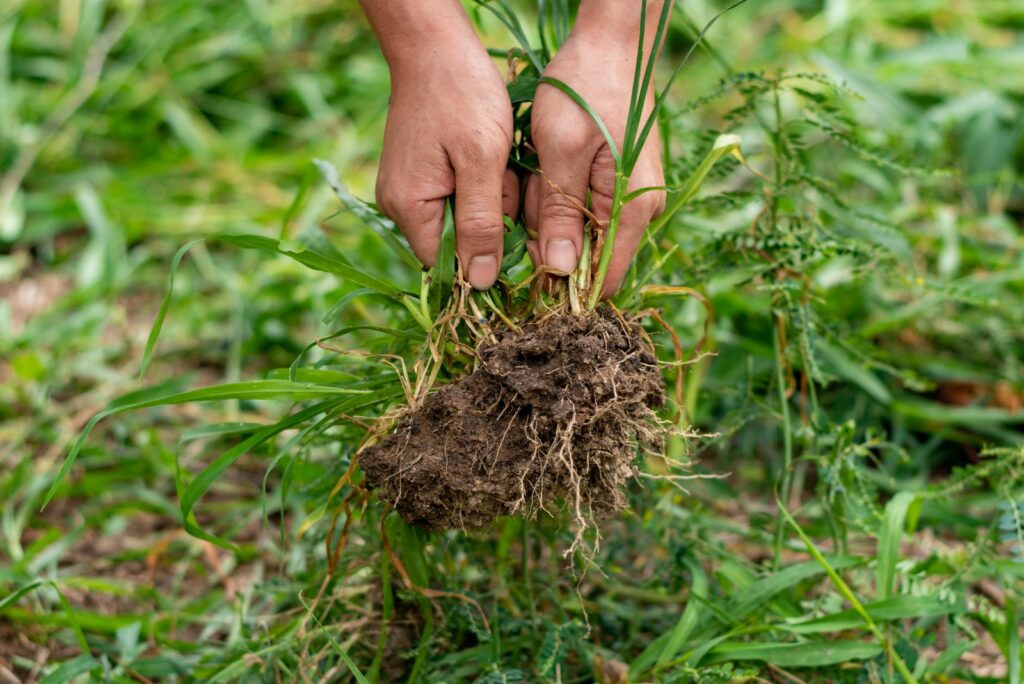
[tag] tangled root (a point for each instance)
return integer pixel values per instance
(553, 417)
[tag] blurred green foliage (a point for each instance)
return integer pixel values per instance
(865, 269)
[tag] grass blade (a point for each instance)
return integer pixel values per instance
(724, 145)
(252, 390)
(315, 260)
(898, 608)
(691, 614)
(811, 654)
(889, 542)
(844, 589)
(71, 670)
(384, 227)
(161, 314)
(659, 102)
(442, 276)
(578, 99)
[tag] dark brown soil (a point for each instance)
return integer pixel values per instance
(552, 417)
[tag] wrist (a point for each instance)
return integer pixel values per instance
(413, 33)
(616, 23)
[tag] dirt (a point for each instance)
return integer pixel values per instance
(553, 417)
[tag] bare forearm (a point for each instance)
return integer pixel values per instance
(411, 31)
(618, 21)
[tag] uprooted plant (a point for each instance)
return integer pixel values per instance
(535, 395)
(554, 392)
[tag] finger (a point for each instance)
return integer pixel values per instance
(510, 194)
(562, 193)
(602, 183)
(479, 230)
(531, 211)
(420, 221)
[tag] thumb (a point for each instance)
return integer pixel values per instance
(562, 194)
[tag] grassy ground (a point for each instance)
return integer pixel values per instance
(864, 366)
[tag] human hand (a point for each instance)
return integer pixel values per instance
(598, 62)
(448, 131)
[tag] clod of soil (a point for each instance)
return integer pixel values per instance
(552, 416)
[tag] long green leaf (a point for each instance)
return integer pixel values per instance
(70, 670)
(659, 101)
(763, 590)
(897, 608)
(315, 260)
(18, 593)
(844, 589)
(190, 494)
(889, 539)
(161, 314)
(442, 275)
(691, 614)
(578, 99)
(812, 654)
(252, 390)
(382, 226)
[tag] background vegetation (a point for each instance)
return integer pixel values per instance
(864, 366)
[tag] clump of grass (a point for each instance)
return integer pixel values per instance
(554, 391)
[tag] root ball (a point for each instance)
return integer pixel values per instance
(552, 417)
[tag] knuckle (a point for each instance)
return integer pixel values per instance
(603, 166)
(659, 204)
(478, 221)
(559, 206)
(477, 148)
(559, 134)
(646, 207)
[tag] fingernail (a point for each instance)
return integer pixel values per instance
(561, 255)
(483, 271)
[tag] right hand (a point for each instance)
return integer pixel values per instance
(449, 131)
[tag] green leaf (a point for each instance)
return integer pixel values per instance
(889, 539)
(897, 608)
(197, 488)
(724, 145)
(811, 654)
(343, 303)
(523, 88)
(190, 494)
(515, 244)
(18, 593)
(785, 579)
(382, 226)
(71, 669)
(315, 260)
(251, 390)
(578, 99)
(967, 416)
(840, 363)
(218, 430)
(158, 324)
(688, 620)
(442, 275)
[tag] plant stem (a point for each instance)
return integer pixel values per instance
(621, 181)
(787, 434)
(411, 306)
